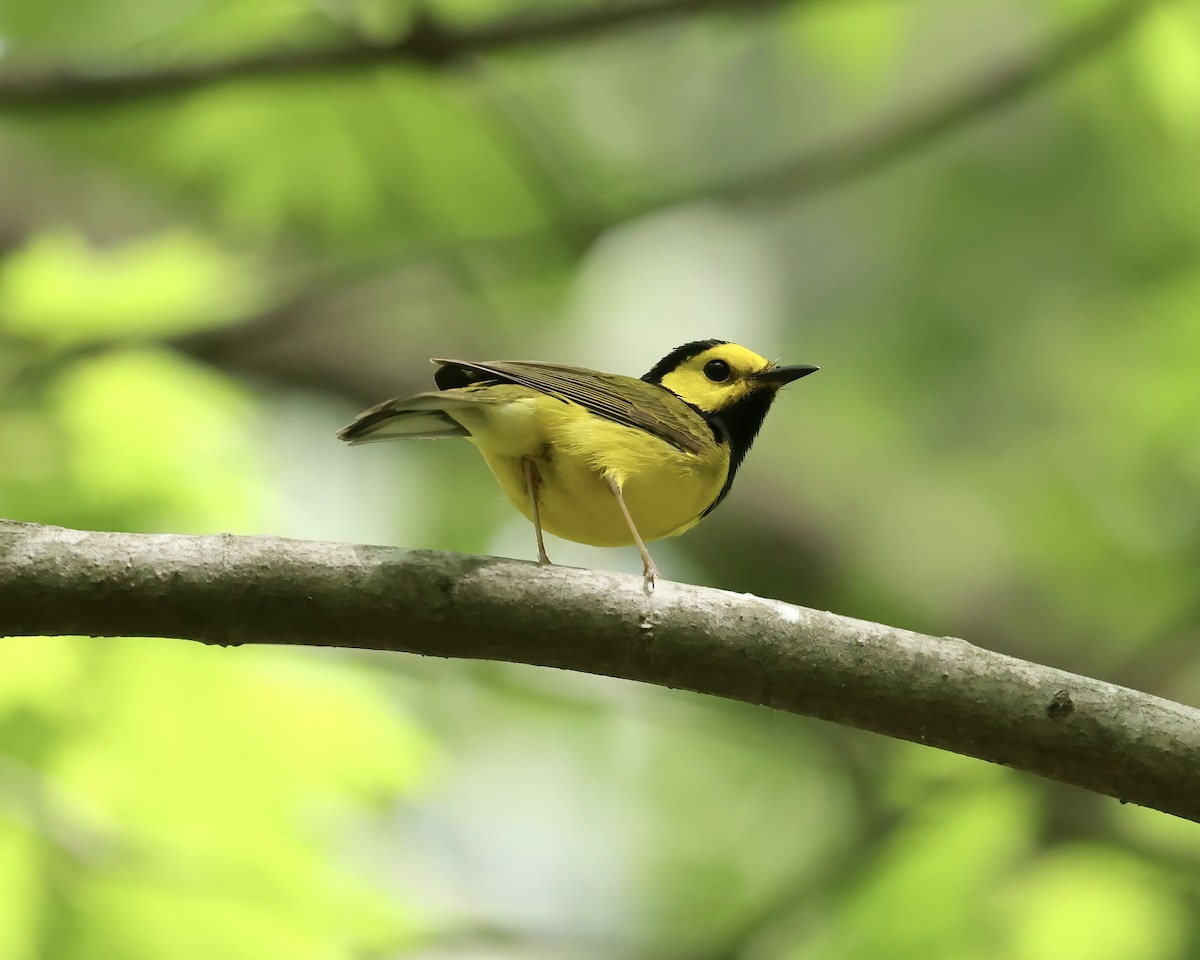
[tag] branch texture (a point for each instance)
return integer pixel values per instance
(427, 42)
(939, 691)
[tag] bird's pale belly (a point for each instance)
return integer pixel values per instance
(665, 488)
(665, 498)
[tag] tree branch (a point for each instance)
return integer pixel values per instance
(939, 691)
(428, 41)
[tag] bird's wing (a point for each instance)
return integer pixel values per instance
(624, 400)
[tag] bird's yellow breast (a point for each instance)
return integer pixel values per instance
(666, 489)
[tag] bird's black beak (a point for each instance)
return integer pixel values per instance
(776, 377)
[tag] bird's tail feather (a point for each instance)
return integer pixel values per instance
(420, 417)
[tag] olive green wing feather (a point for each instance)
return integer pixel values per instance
(625, 400)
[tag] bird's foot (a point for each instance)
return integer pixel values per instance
(649, 577)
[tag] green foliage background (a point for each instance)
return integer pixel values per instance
(197, 289)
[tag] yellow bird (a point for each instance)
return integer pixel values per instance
(599, 458)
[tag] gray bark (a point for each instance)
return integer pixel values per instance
(939, 691)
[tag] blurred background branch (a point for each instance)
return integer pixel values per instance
(427, 42)
(862, 153)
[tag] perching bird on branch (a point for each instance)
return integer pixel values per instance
(599, 458)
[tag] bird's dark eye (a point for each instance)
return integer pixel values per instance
(717, 371)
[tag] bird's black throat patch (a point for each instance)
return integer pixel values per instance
(738, 425)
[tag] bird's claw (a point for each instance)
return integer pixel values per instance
(649, 576)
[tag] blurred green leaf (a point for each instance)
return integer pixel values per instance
(1092, 903)
(59, 289)
(95, 32)
(155, 441)
(396, 161)
(1168, 64)
(854, 40)
(213, 789)
(20, 893)
(923, 897)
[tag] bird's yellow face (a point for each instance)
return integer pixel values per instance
(719, 377)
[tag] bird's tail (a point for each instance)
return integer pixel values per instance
(420, 417)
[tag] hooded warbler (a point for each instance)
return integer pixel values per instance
(599, 458)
